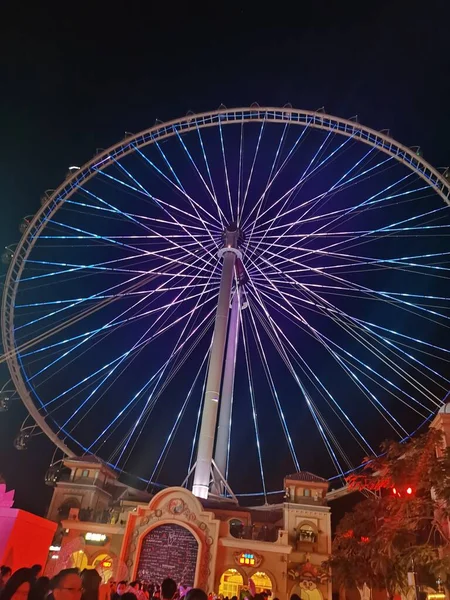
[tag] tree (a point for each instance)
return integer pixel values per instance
(403, 524)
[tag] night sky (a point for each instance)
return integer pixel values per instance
(74, 78)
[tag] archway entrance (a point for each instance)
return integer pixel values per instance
(231, 583)
(104, 565)
(262, 582)
(79, 560)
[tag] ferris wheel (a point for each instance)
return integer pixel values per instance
(338, 299)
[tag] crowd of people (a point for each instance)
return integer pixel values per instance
(70, 584)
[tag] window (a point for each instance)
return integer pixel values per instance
(85, 473)
(307, 492)
(306, 533)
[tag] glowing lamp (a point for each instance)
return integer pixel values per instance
(409, 491)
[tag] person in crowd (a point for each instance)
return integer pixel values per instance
(135, 588)
(36, 571)
(18, 585)
(196, 594)
(90, 580)
(5, 574)
(128, 596)
(40, 590)
(67, 585)
(168, 589)
(121, 589)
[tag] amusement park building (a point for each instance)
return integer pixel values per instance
(216, 545)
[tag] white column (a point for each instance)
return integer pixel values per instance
(226, 397)
(202, 472)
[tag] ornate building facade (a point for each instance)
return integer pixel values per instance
(216, 545)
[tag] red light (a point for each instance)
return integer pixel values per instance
(409, 491)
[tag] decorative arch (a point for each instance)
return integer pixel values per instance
(238, 569)
(309, 524)
(269, 574)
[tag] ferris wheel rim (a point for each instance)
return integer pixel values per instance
(161, 131)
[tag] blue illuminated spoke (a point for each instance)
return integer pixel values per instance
(251, 388)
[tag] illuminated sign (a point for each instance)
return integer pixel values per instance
(247, 559)
(55, 548)
(95, 537)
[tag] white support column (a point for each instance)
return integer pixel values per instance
(203, 465)
(226, 397)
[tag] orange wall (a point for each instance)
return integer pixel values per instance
(24, 538)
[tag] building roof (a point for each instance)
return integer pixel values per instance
(306, 476)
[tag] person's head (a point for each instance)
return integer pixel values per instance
(67, 585)
(40, 589)
(168, 589)
(5, 573)
(196, 594)
(295, 597)
(128, 596)
(36, 570)
(135, 585)
(122, 587)
(18, 585)
(91, 580)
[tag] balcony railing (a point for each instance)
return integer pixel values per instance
(261, 533)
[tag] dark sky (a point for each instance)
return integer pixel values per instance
(75, 77)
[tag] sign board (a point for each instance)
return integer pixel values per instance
(168, 551)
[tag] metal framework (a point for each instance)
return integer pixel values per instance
(52, 201)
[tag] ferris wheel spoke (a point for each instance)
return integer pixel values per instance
(225, 169)
(309, 402)
(175, 220)
(253, 403)
(288, 196)
(271, 177)
(210, 190)
(264, 195)
(110, 323)
(252, 168)
(153, 397)
(335, 313)
(213, 221)
(373, 399)
(342, 183)
(214, 194)
(384, 230)
(273, 391)
(269, 323)
(162, 236)
(386, 342)
(394, 263)
(118, 360)
(358, 287)
(118, 323)
(127, 360)
(269, 224)
(154, 379)
(156, 469)
(140, 219)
